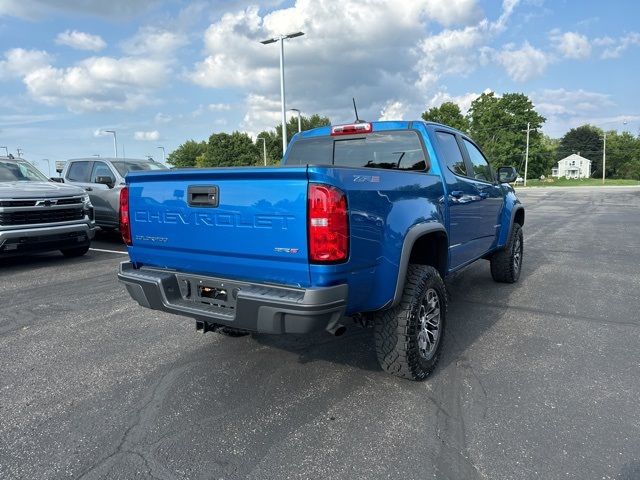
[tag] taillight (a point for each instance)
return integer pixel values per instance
(125, 224)
(328, 224)
(352, 129)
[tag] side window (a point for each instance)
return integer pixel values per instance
(79, 172)
(481, 168)
(101, 169)
(452, 154)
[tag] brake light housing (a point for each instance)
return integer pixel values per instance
(352, 129)
(125, 223)
(327, 224)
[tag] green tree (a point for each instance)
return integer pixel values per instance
(274, 138)
(623, 155)
(225, 150)
(186, 154)
(586, 141)
(448, 114)
(498, 125)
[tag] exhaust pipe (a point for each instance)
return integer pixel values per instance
(336, 329)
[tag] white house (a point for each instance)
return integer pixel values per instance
(573, 166)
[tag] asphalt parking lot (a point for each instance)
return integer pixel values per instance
(540, 379)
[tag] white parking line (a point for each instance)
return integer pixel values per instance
(108, 251)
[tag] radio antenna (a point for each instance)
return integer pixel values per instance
(356, 110)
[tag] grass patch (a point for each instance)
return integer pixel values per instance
(583, 182)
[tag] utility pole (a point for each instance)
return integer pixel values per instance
(526, 155)
(19, 150)
(604, 156)
(264, 149)
(6, 150)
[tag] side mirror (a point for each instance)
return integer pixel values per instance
(57, 179)
(105, 180)
(507, 174)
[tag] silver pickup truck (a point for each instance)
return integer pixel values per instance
(38, 215)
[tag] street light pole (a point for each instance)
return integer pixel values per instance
(264, 149)
(604, 156)
(163, 156)
(299, 121)
(281, 39)
(115, 141)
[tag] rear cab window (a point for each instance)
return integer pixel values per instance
(393, 150)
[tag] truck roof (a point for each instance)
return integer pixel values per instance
(381, 125)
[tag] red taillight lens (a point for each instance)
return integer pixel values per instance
(328, 224)
(351, 129)
(125, 224)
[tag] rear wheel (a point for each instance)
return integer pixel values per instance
(409, 336)
(507, 263)
(75, 252)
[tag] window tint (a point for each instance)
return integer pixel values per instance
(101, 169)
(452, 154)
(79, 171)
(481, 168)
(391, 150)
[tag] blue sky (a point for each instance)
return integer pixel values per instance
(161, 72)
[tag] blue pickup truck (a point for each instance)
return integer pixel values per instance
(361, 221)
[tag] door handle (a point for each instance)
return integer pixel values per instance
(457, 193)
(203, 195)
(88, 189)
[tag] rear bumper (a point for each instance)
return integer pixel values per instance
(249, 306)
(17, 241)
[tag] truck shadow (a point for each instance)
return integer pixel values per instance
(467, 320)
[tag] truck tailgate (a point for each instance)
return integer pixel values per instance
(243, 223)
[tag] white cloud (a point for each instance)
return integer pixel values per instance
(151, 136)
(154, 41)
(452, 12)
(218, 107)
(571, 44)
(262, 114)
(524, 63)
(162, 118)
(340, 55)
(98, 83)
(81, 40)
(617, 47)
(35, 9)
(463, 101)
(393, 110)
(19, 62)
(565, 109)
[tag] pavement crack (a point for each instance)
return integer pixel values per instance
(134, 432)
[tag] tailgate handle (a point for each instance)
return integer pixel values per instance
(203, 195)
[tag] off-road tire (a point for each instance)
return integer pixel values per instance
(232, 332)
(506, 264)
(75, 252)
(397, 329)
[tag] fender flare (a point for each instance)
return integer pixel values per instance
(410, 239)
(514, 211)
